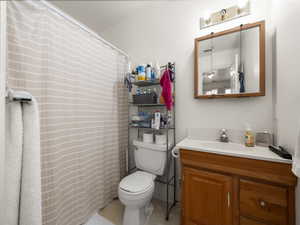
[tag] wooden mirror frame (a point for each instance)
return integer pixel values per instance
(262, 61)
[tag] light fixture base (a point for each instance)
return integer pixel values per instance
(225, 15)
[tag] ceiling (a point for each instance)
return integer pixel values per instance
(100, 15)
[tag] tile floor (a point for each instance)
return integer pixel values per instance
(98, 220)
(114, 212)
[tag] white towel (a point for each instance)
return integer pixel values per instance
(30, 205)
(296, 157)
(13, 161)
(23, 169)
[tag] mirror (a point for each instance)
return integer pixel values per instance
(231, 63)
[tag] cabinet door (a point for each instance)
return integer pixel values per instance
(206, 198)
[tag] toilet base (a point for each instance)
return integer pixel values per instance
(137, 216)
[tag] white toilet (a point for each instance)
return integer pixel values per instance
(136, 190)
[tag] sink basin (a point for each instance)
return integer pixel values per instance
(214, 145)
(232, 149)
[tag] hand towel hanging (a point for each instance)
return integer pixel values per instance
(23, 169)
(165, 83)
(31, 196)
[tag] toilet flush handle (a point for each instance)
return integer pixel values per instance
(175, 152)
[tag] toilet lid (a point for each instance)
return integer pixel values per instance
(137, 182)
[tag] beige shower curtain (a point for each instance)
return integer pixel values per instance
(77, 80)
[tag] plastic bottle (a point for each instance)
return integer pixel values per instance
(249, 138)
(141, 72)
(157, 71)
(156, 120)
(138, 91)
(152, 74)
(148, 72)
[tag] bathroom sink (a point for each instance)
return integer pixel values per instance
(230, 148)
(215, 145)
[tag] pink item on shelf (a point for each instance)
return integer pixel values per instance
(166, 84)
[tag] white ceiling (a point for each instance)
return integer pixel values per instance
(100, 15)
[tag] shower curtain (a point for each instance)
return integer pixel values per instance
(78, 82)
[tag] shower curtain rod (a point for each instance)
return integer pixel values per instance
(82, 26)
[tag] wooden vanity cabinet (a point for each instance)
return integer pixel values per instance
(207, 197)
(226, 190)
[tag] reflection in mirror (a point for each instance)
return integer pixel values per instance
(229, 64)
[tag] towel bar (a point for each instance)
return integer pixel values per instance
(21, 96)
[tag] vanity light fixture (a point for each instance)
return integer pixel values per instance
(241, 9)
(206, 15)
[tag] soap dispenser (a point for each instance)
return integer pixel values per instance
(249, 137)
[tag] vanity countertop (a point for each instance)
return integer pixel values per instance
(231, 149)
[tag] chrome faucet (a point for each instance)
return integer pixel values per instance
(223, 136)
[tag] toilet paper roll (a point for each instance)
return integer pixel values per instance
(148, 137)
(160, 139)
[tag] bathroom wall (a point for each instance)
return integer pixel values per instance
(286, 18)
(165, 32)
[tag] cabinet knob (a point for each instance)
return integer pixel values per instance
(262, 203)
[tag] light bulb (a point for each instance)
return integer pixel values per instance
(242, 3)
(206, 15)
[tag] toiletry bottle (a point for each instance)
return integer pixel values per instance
(249, 138)
(138, 72)
(138, 91)
(154, 94)
(141, 72)
(152, 122)
(157, 71)
(152, 74)
(148, 72)
(157, 120)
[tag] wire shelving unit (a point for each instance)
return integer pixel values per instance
(168, 179)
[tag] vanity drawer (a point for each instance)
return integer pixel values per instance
(264, 202)
(246, 221)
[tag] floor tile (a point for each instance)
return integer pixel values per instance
(114, 212)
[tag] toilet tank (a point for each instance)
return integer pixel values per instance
(150, 157)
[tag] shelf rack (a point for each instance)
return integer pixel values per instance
(169, 178)
(148, 105)
(149, 128)
(146, 83)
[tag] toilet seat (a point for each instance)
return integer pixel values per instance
(138, 182)
(135, 192)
